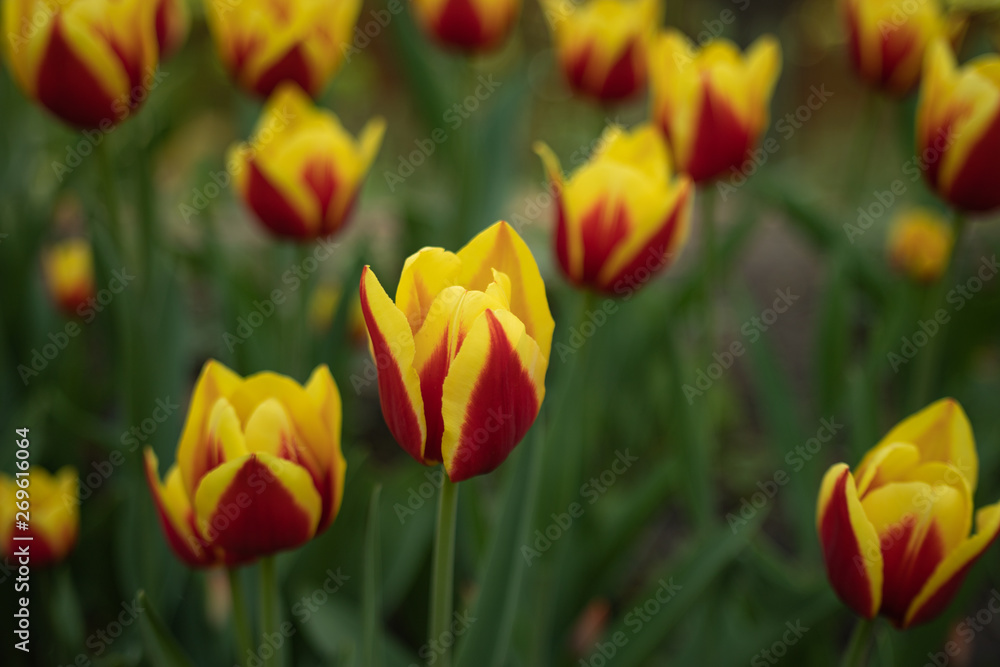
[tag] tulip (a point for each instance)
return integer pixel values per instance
(301, 172)
(173, 20)
(712, 103)
(920, 243)
(468, 25)
(895, 534)
(259, 467)
(603, 45)
(68, 268)
(621, 217)
(958, 128)
(53, 515)
(262, 42)
(90, 62)
(887, 40)
(462, 353)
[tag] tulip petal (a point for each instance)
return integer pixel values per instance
(850, 544)
(499, 247)
(176, 514)
(939, 589)
(257, 505)
(491, 395)
(393, 351)
(425, 274)
(325, 395)
(886, 465)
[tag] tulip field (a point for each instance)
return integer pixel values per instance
(499, 333)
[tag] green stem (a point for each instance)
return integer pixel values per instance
(110, 193)
(707, 198)
(241, 622)
(700, 458)
(269, 613)
(857, 649)
(443, 582)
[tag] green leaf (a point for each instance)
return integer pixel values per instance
(371, 606)
(161, 647)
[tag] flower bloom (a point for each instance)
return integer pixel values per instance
(887, 39)
(259, 468)
(620, 217)
(173, 20)
(462, 353)
(53, 514)
(68, 268)
(301, 172)
(262, 42)
(895, 534)
(603, 45)
(920, 243)
(958, 128)
(90, 62)
(469, 25)
(712, 103)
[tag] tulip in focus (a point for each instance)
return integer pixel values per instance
(895, 533)
(90, 62)
(958, 128)
(259, 467)
(887, 40)
(603, 45)
(467, 25)
(301, 172)
(53, 515)
(263, 43)
(920, 243)
(462, 353)
(173, 20)
(712, 103)
(68, 269)
(622, 217)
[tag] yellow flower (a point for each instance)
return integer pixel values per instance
(920, 243)
(68, 268)
(52, 514)
(469, 25)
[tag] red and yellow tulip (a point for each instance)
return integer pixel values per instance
(462, 353)
(895, 533)
(259, 467)
(622, 217)
(603, 45)
(469, 25)
(712, 103)
(53, 517)
(68, 269)
(887, 39)
(301, 172)
(173, 20)
(90, 62)
(919, 245)
(263, 43)
(958, 128)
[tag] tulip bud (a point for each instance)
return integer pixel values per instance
(467, 25)
(462, 353)
(52, 522)
(301, 172)
(68, 269)
(712, 103)
(90, 63)
(895, 533)
(920, 243)
(621, 217)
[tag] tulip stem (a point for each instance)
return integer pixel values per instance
(269, 606)
(443, 583)
(241, 622)
(857, 650)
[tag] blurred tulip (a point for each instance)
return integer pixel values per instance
(90, 62)
(68, 268)
(259, 467)
(462, 353)
(468, 25)
(712, 103)
(895, 535)
(301, 172)
(958, 128)
(263, 43)
(919, 245)
(173, 20)
(887, 39)
(603, 45)
(53, 518)
(621, 218)
(323, 305)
